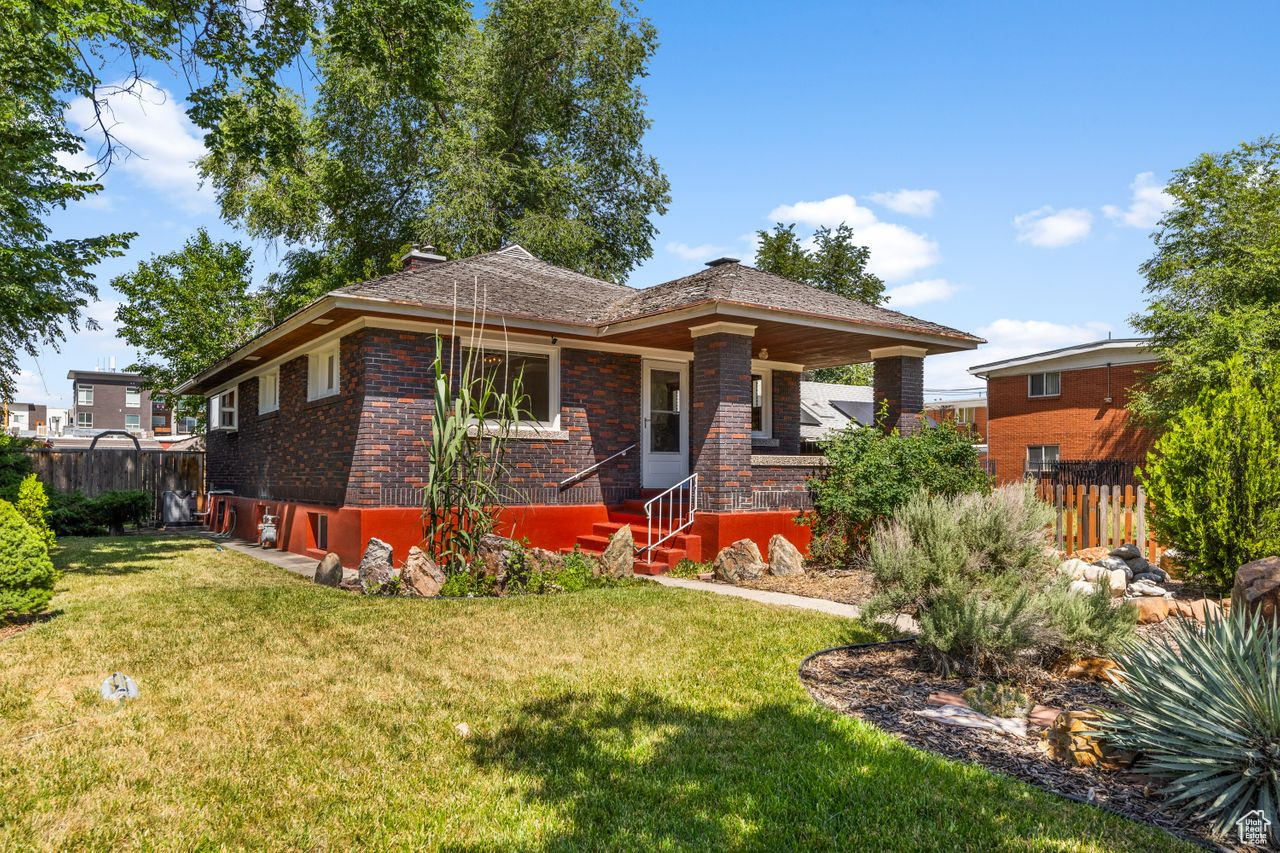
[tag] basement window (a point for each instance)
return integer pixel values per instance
(319, 530)
(1041, 458)
(1044, 384)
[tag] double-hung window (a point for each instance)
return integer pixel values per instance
(324, 372)
(269, 392)
(84, 395)
(84, 420)
(1044, 384)
(762, 403)
(132, 397)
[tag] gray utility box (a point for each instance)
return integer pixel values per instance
(177, 507)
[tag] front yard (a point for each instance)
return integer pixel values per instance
(278, 713)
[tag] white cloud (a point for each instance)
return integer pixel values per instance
(164, 144)
(909, 202)
(1007, 338)
(1147, 203)
(703, 252)
(896, 251)
(1052, 229)
(919, 292)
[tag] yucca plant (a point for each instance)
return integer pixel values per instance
(1202, 709)
(477, 410)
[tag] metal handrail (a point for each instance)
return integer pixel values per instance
(573, 478)
(672, 498)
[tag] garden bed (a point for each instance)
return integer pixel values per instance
(884, 685)
(849, 586)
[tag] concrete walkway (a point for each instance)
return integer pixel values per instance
(296, 563)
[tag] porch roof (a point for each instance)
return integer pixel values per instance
(794, 322)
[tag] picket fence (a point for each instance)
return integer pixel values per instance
(1100, 516)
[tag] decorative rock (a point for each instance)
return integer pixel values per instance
(1139, 565)
(1093, 574)
(1201, 610)
(706, 576)
(1145, 588)
(1172, 560)
(1094, 669)
(784, 558)
(1257, 588)
(375, 565)
(1151, 609)
(1112, 563)
(350, 581)
(1071, 739)
(421, 575)
(1147, 577)
(1127, 551)
(618, 560)
(740, 561)
(494, 553)
(329, 571)
(1073, 568)
(1042, 716)
(1081, 588)
(1119, 582)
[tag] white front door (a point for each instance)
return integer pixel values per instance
(664, 409)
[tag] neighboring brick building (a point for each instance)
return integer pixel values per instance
(969, 414)
(107, 399)
(1065, 405)
(323, 419)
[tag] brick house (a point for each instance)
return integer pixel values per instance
(1064, 405)
(634, 395)
(108, 399)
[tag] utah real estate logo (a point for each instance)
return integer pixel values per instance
(1254, 828)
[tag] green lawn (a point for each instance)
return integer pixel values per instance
(279, 714)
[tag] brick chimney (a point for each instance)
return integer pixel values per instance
(420, 257)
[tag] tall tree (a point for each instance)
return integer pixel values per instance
(835, 264)
(1214, 280)
(532, 133)
(54, 51)
(187, 309)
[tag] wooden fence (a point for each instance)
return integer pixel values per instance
(115, 468)
(1100, 516)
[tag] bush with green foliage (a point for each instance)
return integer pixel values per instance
(33, 506)
(1202, 710)
(15, 464)
(870, 473)
(1213, 478)
(73, 514)
(119, 508)
(27, 575)
(976, 572)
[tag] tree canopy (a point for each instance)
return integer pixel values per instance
(1214, 280)
(836, 264)
(186, 309)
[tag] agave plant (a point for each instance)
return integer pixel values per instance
(1203, 710)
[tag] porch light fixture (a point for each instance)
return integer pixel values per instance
(764, 352)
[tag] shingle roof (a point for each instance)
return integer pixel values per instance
(833, 406)
(510, 282)
(744, 285)
(514, 283)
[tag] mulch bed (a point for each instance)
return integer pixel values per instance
(17, 624)
(850, 586)
(883, 684)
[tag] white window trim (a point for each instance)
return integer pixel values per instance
(265, 403)
(88, 401)
(1039, 466)
(527, 428)
(315, 365)
(766, 401)
(88, 415)
(136, 390)
(138, 426)
(1045, 373)
(215, 410)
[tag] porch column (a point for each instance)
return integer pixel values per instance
(720, 414)
(899, 383)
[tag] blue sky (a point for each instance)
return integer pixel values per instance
(1003, 160)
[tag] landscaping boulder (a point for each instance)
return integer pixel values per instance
(1172, 560)
(1111, 564)
(1093, 574)
(329, 570)
(1139, 565)
(1073, 568)
(1257, 588)
(1128, 551)
(740, 561)
(1151, 609)
(542, 560)
(1081, 587)
(1149, 577)
(619, 557)
(350, 581)
(1200, 610)
(784, 558)
(1071, 740)
(494, 554)
(375, 565)
(1119, 582)
(1146, 588)
(421, 575)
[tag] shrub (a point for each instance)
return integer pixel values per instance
(72, 514)
(1086, 625)
(33, 506)
(1203, 710)
(687, 568)
(15, 464)
(1213, 479)
(27, 575)
(976, 635)
(869, 474)
(122, 507)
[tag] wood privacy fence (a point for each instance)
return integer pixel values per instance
(1100, 516)
(115, 468)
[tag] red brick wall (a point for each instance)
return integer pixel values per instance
(978, 429)
(1078, 419)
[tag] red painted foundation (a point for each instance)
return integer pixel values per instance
(301, 528)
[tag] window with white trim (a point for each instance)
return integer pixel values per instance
(132, 397)
(1041, 457)
(269, 392)
(535, 370)
(324, 372)
(133, 422)
(84, 420)
(222, 410)
(762, 403)
(967, 415)
(84, 395)
(1044, 384)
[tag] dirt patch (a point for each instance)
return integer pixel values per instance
(17, 624)
(845, 586)
(884, 685)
